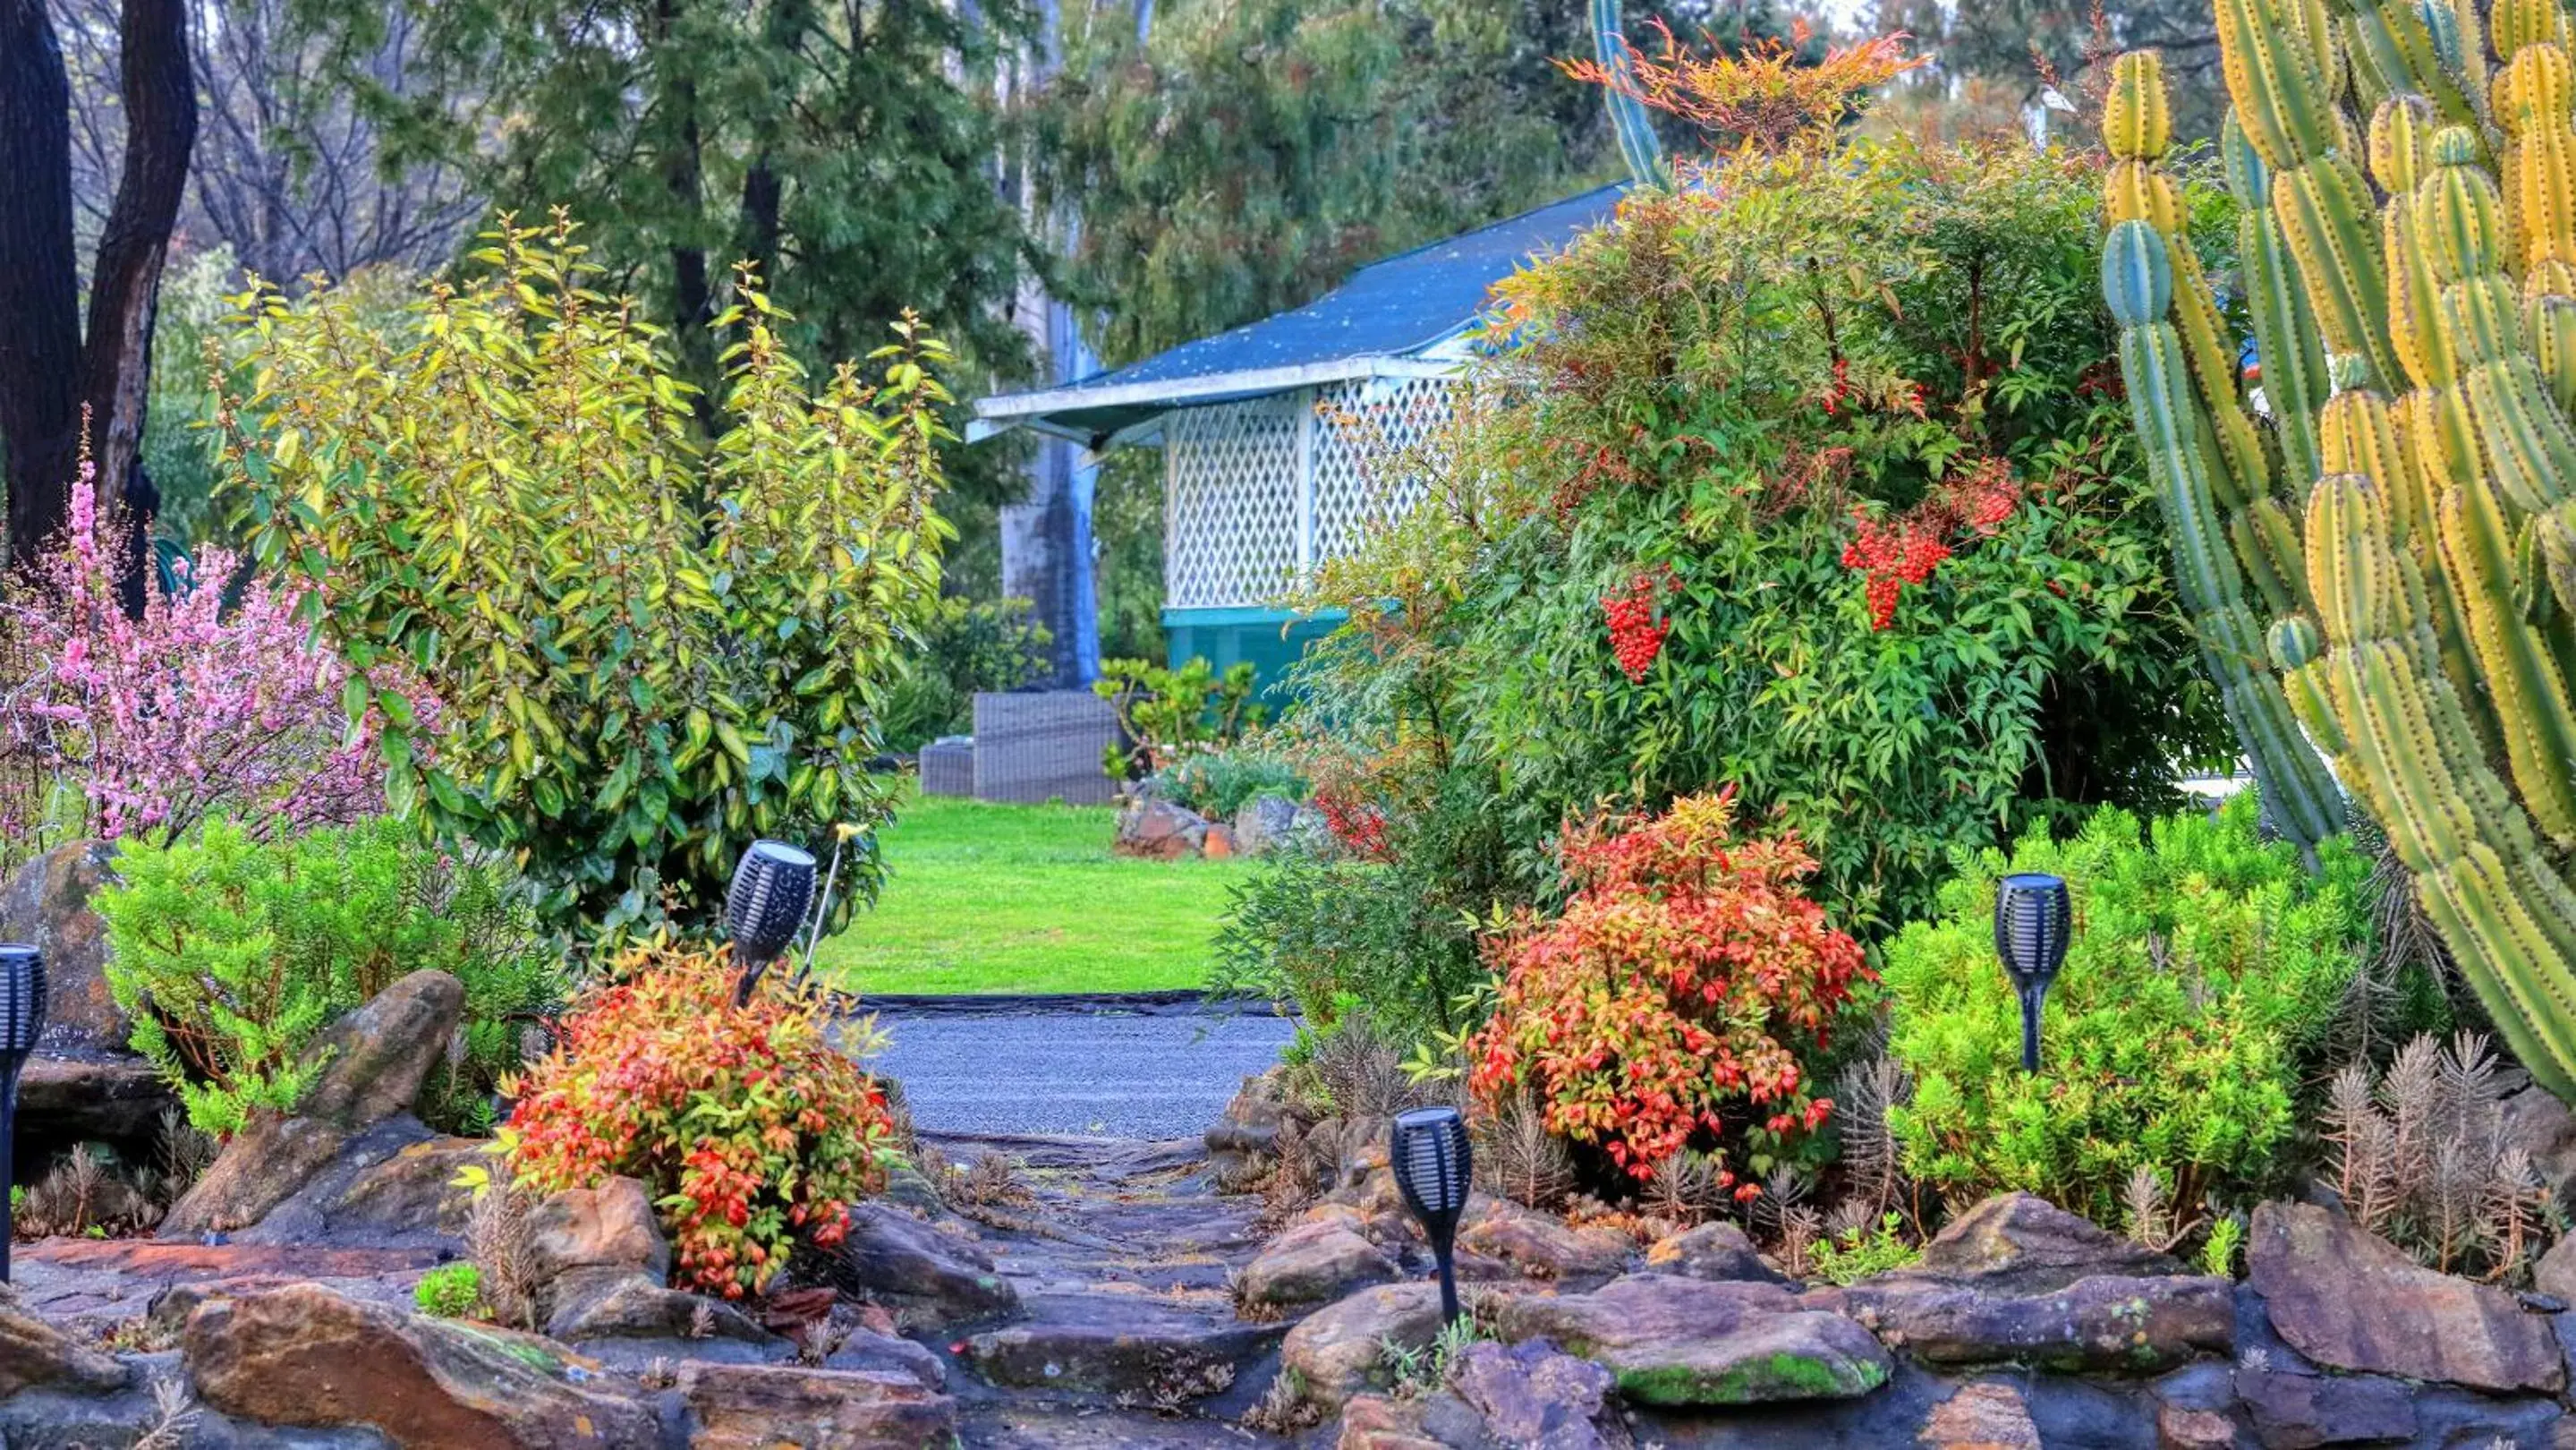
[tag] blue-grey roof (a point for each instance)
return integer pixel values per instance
(1392, 308)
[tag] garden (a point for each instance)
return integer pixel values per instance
(1749, 970)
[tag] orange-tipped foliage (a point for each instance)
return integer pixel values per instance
(1687, 979)
(1762, 94)
(750, 1125)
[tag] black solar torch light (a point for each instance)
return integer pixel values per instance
(2034, 918)
(765, 907)
(22, 1016)
(1433, 1168)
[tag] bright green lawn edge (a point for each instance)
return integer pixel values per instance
(985, 898)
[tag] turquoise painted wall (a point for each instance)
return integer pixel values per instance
(1272, 639)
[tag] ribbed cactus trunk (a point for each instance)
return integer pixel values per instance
(2422, 617)
(2236, 549)
(1638, 145)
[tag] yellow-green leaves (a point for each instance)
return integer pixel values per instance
(649, 645)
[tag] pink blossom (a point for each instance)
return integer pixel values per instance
(195, 709)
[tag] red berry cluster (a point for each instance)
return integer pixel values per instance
(1636, 632)
(1842, 389)
(1893, 556)
(1358, 825)
(1985, 498)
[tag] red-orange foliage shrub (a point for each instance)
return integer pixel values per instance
(747, 1124)
(1684, 982)
(1764, 93)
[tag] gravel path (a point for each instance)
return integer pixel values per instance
(1158, 1074)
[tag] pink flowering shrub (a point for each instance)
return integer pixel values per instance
(203, 706)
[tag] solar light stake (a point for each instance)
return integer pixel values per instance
(1434, 1168)
(772, 886)
(22, 1017)
(2034, 920)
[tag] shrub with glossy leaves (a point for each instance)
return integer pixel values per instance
(653, 649)
(751, 1126)
(1679, 998)
(2207, 971)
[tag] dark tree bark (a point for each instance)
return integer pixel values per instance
(39, 284)
(125, 286)
(49, 373)
(684, 173)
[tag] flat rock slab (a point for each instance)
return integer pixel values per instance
(752, 1407)
(2103, 1324)
(2349, 1300)
(1128, 1348)
(1677, 1341)
(96, 1284)
(304, 1356)
(1057, 1427)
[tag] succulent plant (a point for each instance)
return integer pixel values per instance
(2417, 324)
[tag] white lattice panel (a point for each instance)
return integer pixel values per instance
(1258, 492)
(1230, 503)
(1371, 449)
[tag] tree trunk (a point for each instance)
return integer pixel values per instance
(125, 287)
(39, 287)
(1046, 541)
(684, 173)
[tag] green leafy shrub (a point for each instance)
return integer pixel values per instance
(1856, 1254)
(1166, 714)
(450, 1291)
(1218, 783)
(968, 646)
(231, 956)
(653, 646)
(1390, 915)
(2207, 973)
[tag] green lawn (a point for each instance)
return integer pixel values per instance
(996, 898)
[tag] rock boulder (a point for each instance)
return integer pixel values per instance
(2349, 1300)
(35, 1355)
(48, 904)
(303, 1356)
(765, 1407)
(1340, 1350)
(1711, 1251)
(1676, 1341)
(373, 1062)
(1159, 830)
(2016, 1278)
(925, 1276)
(1541, 1246)
(607, 1227)
(1313, 1263)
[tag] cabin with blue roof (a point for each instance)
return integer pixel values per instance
(1273, 434)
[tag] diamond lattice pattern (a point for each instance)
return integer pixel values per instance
(1242, 527)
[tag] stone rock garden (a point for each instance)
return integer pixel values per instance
(1951, 762)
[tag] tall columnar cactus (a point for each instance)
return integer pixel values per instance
(2429, 640)
(2236, 543)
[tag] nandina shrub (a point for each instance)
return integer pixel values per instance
(1677, 1000)
(749, 1125)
